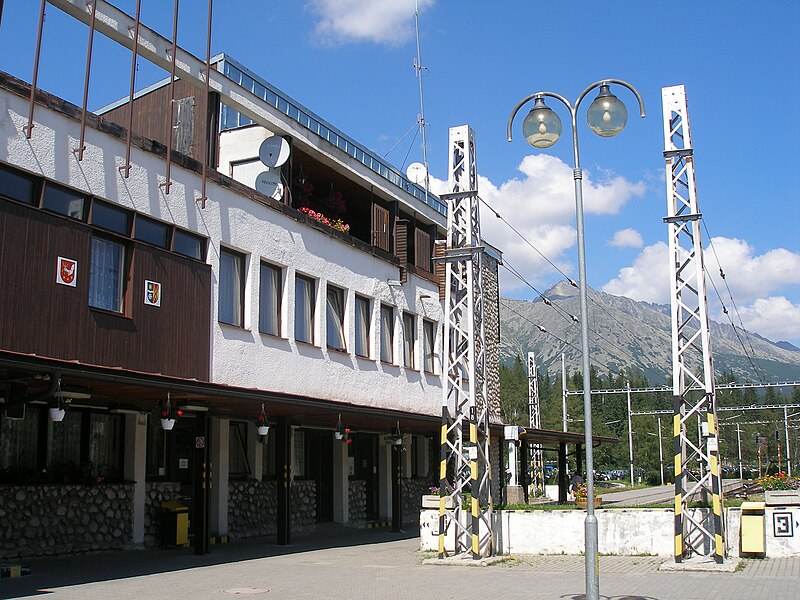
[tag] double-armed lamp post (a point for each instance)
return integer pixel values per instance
(542, 128)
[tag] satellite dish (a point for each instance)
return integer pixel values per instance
(416, 173)
(269, 183)
(274, 151)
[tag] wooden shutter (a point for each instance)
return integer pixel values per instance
(380, 227)
(401, 246)
(440, 268)
(422, 250)
(184, 126)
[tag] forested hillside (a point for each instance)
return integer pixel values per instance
(610, 418)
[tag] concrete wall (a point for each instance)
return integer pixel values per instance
(620, 531)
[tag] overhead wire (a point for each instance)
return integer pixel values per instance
(571, 281)
(733, 303)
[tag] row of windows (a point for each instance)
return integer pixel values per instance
(108, 258)
(231, 303)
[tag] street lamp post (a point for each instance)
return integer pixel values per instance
(542, 128)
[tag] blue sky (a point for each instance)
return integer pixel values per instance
(350, 61)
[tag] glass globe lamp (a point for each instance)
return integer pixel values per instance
(606, 115)
(541, 127)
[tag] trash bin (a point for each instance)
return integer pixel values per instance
(174, 524)
(753, 532)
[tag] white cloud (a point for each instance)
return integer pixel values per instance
(380, 21)
(775, 317)
(751, 278)
(541, 206)
(647, 279)
(626, 238)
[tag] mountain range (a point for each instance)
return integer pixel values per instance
(625, 333)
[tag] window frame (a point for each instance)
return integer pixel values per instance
(428, 346)
(242, 272)
(387, 334)
(310, 320)
(362, 338)
(111, 210)
(340, 296)
(140, 220)
(23, 178)
(201, 243)
(277, 270)
(409, 340)
(122, 284)
(60, 189)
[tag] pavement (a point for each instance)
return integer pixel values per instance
(338, 563)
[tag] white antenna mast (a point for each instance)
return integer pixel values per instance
(421, 119)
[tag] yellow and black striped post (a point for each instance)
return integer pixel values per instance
(443, 480)
(679, 477)
(475, 487)
(716, 490)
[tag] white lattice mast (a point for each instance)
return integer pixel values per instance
(692, 369)
(464, 466)
(535, 421)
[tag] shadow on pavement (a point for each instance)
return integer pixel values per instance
(55, 572)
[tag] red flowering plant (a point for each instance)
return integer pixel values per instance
(580, 492)
(337, 224)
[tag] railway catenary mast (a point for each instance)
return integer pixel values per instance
(464, 454)
(692, 371)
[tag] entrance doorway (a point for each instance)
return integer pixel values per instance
(365, 454)
(319, 450)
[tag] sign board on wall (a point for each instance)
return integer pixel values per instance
(66, 271)
(152, 293)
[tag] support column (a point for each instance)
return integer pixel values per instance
(203, 473)
(562, 473)
(218, 496)
(283, 475)
(524, 464)
(255, 451)
(135, 469)
(579, 460)
(341, 484)
(384, 480)
(397, 488)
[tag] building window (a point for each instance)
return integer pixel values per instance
(387, 333)
(106, 274)
(335, 318)
(239, 466)
(269, 299)
(428, 329)
(409, 339)
(188, 244)
(304, 301)
(231, 287)
(63, 201)
(299, 455)
(17, 186)
(151, 232)
(362, 310)
(111, 217)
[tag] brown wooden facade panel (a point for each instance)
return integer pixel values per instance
(150, 117)
(39, 316)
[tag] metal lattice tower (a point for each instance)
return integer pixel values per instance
(692, 369)
(535, 421)
(464, 456)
